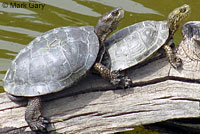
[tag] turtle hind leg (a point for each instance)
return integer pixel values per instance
(33, 116)
(174, 61)
(115, 77)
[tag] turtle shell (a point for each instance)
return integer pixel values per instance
(53, 61)
(135, 43)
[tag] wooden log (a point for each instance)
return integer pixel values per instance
(159, 93)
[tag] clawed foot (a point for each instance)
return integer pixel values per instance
(39, 125)
(177, 63)
(120, 80)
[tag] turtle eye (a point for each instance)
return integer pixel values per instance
(115, 13)
(182, 10)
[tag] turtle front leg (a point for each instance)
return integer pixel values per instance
(115, 77)
(174, 61)
(33, 116)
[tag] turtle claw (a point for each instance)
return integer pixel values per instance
(39, 126)
(127, 81)
(117, 74)
(177, 63)
(120, 80)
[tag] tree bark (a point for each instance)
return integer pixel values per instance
(158, 93)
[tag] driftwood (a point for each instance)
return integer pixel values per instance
(159, 93)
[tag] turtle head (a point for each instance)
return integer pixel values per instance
(177, 16)
(108, 22)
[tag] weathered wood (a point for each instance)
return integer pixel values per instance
(159, 93)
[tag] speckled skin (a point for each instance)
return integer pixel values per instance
(136, 43)
(115, 77)
(55, 61)
(34, 113)
(174, 61)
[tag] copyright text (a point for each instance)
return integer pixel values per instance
(36, 5)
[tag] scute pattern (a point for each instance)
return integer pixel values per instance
(136, 43)
(52, 61)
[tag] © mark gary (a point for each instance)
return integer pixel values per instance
(36, 5)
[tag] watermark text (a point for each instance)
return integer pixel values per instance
(15, 4)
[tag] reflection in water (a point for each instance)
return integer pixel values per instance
(72, 6)
(12, 47)
(128, 5)
(16, 30)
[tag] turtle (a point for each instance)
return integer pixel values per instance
(189, 46)
(191, 33)
(135, 43)
(56, 60)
